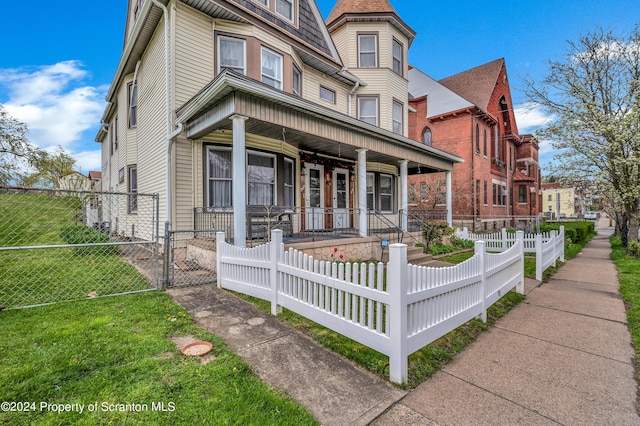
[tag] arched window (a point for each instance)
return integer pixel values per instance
(477, 138)
(426, 136)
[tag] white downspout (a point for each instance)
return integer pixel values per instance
(353, 90)
(170, 135)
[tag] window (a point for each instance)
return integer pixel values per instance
(426, 136)
(522, 193)
(133, 189)
(550, 197)
(398, 126)
(327, 94)
(495, 194)
(441, 195)
(264, 2)
(486, 193)
(261, 179)
(289, 193)
(411, 193)
(368, 109)
(133, 104)
(371, 194)
(367, 51)
(477, 139)
(398, 62)
(284, 8)
(219, 177)
(297, 81)
(386, 193)
(271, 68)
(494, 143)
(424, 191)
(484, 147)
(231, 54)
(114, 136)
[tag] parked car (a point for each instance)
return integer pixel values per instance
(591, 216)
(562, 216)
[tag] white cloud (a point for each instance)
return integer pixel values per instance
(58, 107)
(529, 117)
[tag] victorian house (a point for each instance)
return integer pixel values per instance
(243, 108)
(471, 115)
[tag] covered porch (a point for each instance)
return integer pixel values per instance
(268, 160)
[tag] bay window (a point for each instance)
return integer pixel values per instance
(398, 61)
(398, 125)
(231, 54)
(271, 68)
(368, 109)
(367, 50)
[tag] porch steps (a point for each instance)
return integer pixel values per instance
(415, 256)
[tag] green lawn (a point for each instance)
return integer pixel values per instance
(629, 278)
(116, 350)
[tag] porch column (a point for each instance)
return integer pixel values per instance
(362, 192)
(239, 182)
(449, 200)
(404, 194)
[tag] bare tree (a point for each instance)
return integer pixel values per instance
(592, 97)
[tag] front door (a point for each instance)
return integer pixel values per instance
(341, 212)
(314, 195)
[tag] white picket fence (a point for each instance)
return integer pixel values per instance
(548, 246)
(395, 308)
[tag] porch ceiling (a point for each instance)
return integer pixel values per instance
(307, 126)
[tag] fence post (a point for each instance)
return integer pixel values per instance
(554, 240)
(465, 233)
(480, 249)
(562, 234)
(539, 257)
(274, 256)
(397, 278)
(505, 244)
(219, 242)
(520, 240)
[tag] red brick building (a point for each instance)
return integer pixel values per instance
(471, 115)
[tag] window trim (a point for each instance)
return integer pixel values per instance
(375, 50)
(220, 67)
(209, 204)
(395, 60)
(264, 49)
(331, 91)
(298, 72)
(292, 186)
(522, 190)
(377, 109)
(390, 195)
(132, 206)
(291, 19)
(393, 117)
(274, 184)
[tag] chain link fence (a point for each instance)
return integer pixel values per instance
(58, 245)
(191, 258)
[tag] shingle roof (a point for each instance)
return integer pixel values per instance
(359, 6)
(477, 84)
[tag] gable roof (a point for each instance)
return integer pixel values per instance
(440, 99)
(367, 11)
(477, 84)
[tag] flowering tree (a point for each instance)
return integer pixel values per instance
(592, 97)
(15, 150)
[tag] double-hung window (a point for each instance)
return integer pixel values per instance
(398, 117)
(289, 192)
(261, 179)
(522, 193)
(367, 51)
(271, 68)
(133, 189)
(231, 54)
(398, 57)
(368, 109)
(371, 191)
(219, 177)
(297, 81)
(386, 193)
(133, 104)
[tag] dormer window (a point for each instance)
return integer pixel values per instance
(367, 51)
(285, 8)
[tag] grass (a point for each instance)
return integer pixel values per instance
(116, 350)
(39, 276)
(629, 278)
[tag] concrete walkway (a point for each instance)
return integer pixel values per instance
(564, 356)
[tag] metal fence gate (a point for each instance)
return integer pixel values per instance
(190, 259)
(60, 245)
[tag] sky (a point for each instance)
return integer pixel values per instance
(58, 58)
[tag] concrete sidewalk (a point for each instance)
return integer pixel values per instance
(564, 356)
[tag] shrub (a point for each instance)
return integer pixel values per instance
(84, 235)
(441, 249)
(634, 249)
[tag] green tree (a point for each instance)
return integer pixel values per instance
(592, 96)
(50, 168)
(16, 152)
